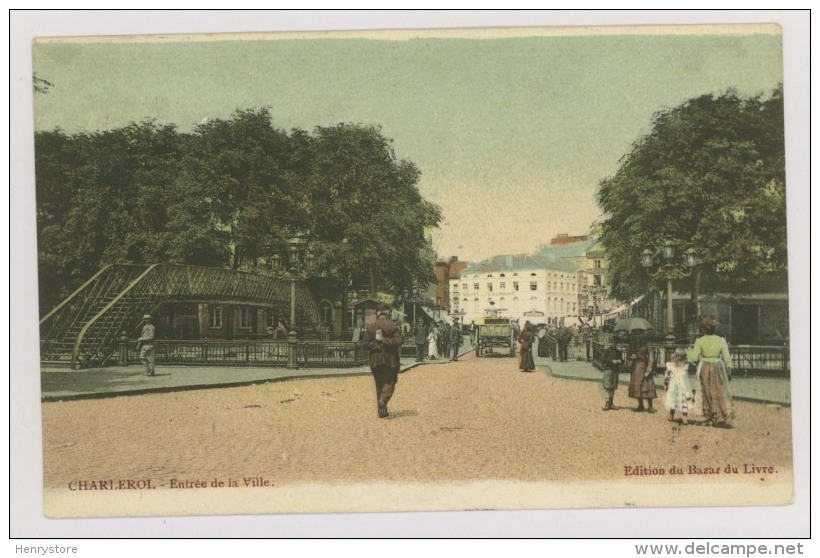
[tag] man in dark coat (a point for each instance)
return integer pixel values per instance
(421, 341)
(445, 340)
(455, 338)
(564, 337)
(383, 341)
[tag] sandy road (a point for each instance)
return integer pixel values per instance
(476, 419)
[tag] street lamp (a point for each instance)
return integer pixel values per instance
(583, 302)
(298, 259)
(669, 270)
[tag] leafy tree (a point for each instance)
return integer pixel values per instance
(229, 194)
(368, 218)
(101, 198)
(241, 169)
(711, 176)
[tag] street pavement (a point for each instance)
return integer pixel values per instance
(64, 384)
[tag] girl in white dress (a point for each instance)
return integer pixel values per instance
(432, 344)
(678, 392)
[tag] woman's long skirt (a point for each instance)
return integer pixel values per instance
(525, 361)
(715, 398)
(639, 386)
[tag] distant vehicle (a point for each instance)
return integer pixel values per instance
(494, 333)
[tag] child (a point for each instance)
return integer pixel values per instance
(612, 360)
(676, 383)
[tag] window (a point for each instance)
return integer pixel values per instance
(215, 316)
(465, 286)
(475, 286)
(245, 318)
(502, 286)
(533, 285)
(489, 287)
(327, 313)
(515, 285)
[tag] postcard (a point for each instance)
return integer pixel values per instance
(466, 270)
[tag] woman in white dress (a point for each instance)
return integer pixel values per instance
(432, 344)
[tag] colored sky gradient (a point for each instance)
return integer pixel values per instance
(512, 131)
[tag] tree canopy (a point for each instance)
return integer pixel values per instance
(229, 194)
(710, 176)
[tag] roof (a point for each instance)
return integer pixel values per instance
(562, 257)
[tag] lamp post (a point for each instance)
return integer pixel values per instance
(598, 294)
(670, 270)
(583, 301)
(298, 258)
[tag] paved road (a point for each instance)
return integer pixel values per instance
(471, 434)
(62, 384)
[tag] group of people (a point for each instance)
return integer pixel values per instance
(439, 340)
(709, 395)
(557, 340)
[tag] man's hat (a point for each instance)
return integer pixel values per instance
(146, 317)
(381, 308)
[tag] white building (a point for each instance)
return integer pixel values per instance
(542, 288)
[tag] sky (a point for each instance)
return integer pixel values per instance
(512, 131)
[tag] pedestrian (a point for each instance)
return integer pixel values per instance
(612, 362)
(641, 372)
(564, 336)
(676, 383)
(421, 341)
(445, 340)
(541, 339)
(383, 341)
(432, 343)
(713, 375)
(525, 341)
(358, 331)
(552, 341)
(145, 345)
(455, 338)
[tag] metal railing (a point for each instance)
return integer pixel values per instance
(308, 354)
(746, 359)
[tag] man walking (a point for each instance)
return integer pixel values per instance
(145, 345)
(383, 341)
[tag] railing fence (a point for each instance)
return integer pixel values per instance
(305, 354)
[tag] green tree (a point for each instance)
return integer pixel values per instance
(102, 198)
(368, 219)
(242, 169)
(710, 176)
(229, 194)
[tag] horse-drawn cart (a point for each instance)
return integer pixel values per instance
(494, 333)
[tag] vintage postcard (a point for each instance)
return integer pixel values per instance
(420, 270)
